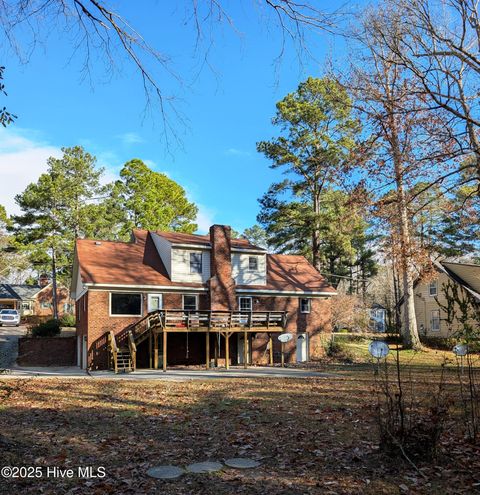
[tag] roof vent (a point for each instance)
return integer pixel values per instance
(98, 243)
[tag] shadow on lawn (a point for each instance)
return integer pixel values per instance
(311, 436)
(102, 425)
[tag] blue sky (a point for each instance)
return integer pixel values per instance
(227, 108)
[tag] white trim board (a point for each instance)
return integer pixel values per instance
(284, 293)
(167, 288)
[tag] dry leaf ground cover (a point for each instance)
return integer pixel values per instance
(315, 435)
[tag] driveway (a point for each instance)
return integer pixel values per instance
(9, 344)
(171, 375)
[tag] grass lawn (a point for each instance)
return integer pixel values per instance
(357, 352)
(315, 435)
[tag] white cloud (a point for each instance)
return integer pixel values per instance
(205, 218)
(237, 152)
(23, 157)
(129, 138)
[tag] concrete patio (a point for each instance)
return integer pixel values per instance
(172, 375)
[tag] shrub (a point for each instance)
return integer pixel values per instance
(67, 320)
(49, 328)
(338, 350)
(440, 343)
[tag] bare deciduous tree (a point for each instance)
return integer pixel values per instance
(438, 43)
(404, 144)
(97, 29)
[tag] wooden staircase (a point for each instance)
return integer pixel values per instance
(125, 358)
(124, 361)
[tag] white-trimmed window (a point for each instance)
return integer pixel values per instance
(305, 305)
(45, 305)
(435, 320)
(125, 304)
(245, 304)
(196, 263)
(26, 306)
(190, 302)
(432, 288)
(253, 263)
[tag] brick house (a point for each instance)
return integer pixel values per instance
(35, 300)
(194, 299)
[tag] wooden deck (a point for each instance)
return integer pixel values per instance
(165, 321)
(219, 321)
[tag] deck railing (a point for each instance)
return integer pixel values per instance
(198, 319)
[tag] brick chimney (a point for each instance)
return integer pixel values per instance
(222, 285)
(43, 280)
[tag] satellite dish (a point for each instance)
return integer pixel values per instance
(460, 350)
(378, 349)
(285, 337)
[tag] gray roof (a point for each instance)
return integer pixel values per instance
(6, 292)
(25, 291)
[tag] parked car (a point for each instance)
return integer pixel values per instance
(9, 317)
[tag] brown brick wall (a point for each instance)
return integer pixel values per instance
(47, 351)
(46, 295)
(100, 323)
(315, 323)
(221, 283)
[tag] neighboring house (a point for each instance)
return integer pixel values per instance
(35, 300)
(431, 318)
(207, 297)
(378, 318)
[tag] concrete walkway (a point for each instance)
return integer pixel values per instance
(171, 375)
(9, 344)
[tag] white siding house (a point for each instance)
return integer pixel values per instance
(182, 269)
(249, 269)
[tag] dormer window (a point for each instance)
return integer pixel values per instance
(253, 263)
(195, 262)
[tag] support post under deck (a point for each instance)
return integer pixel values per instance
(164, 363)
(207, 349)
(245, 349)
(155, 351)
(227, 350)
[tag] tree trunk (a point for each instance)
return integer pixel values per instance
(54, 285)
(410, 336)
(315, 233)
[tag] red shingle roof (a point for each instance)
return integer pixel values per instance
(181, 238)
(123, 263)
(286, 272)
(138, 263)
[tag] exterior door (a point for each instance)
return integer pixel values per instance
(302, 347)
(79, 351)
(84, 352)
(154, 302)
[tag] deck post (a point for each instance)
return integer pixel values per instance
(155, 350)
(150, 349)
(245, 349)
(216, 350)
(227, 350)
(207, 347)
(164, 364)
(270, 346)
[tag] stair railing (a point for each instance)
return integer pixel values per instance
(113, 347)
(133, 350)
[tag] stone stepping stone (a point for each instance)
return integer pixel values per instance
(204, 467)
(165, 472)
(242, 463)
